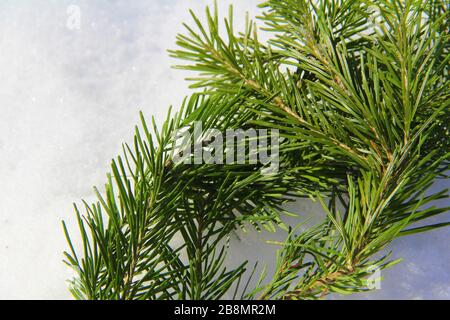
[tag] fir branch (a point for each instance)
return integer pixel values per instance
(364, 115)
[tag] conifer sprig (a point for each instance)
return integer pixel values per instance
(360, 93)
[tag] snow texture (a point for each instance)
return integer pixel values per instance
(69, 97)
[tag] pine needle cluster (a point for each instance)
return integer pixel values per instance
(359, 91)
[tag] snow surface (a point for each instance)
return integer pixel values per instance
(70, 97)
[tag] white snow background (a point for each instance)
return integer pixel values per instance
(70, 98)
